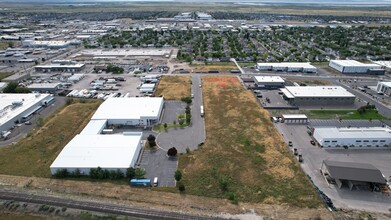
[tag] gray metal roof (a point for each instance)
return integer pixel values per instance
(354, 171)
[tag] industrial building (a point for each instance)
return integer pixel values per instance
(288, 67)
(130, 111)
(203, 16)
(60, 68)
(45, 87)
(352, 137)
(96, 147)
(385, 64)
(355, 67)
(269, 82)
(110, 152)
(49, 44)
(294, 119)
(123, 53)
(353, 175)
(318, 95)
(18, 108)
(384, 87)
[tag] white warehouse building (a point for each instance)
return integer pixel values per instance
(288, 67)
(318, 95)
(384, 87)
(95, 147)
(355, 67)
(269, 81)
(18, 108)
(353, 138)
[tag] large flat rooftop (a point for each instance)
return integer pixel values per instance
(354, 63)
(106, 151)
(316, 91)
(129, 108)
(354, 133)
(22, 102)
(125, 52)
(266, 79)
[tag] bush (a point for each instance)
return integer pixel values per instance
(181, 187)
(61, 173)
(151, 137)
(232, 196)
(172, 152)
(223, 183)
(69, 101)
(186, 99)
(130, 173)
(178, 175)
(181, 121)
(139, 173)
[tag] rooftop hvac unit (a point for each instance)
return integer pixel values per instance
(17, 103)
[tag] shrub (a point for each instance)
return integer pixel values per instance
(178, 175)
(186, 99)
(172, 152)
(181, 187)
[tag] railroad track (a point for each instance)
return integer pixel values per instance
(99, 207)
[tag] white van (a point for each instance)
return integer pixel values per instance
(155, 181)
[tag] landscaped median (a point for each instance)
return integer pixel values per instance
(243, 158)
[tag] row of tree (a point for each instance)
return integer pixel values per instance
(99, 173)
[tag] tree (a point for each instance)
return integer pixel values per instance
(172, 152)
(165, 125)
(13, 87)
(178, 175)
(139, 173)
(181, 187)
(130, 173)
(61, 173)
(151, 140)
(186, 99)
(151, 137)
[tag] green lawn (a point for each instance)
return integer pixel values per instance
(5, 75)
(33, 155)
(343, 114)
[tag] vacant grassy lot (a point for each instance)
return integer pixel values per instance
(243, 158)
(343, 114)
(223, 67)
(174, 87)
(4, 75)
(33, 155)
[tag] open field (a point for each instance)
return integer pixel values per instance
(343, 114)
(291, 9)
(244, 158)
(315, 82)
(5, 75)
(33, 155)
(224, 67)
(174, 87)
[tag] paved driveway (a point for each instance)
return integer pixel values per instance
(171, 111)
(157, 164)
(191, 136)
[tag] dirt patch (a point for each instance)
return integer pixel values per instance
(174, 87)
(143, 198)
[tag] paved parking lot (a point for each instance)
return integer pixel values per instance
(171, 111)
(345, 123)
(157, 164)
(342, 198)
(128, 86)
(276, 100)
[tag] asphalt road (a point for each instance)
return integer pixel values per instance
(97, 207)
(191, 136)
